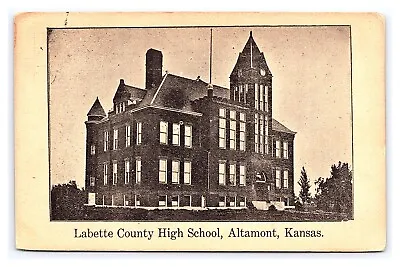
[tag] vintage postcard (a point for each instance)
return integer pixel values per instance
(200, 131)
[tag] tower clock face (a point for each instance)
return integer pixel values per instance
(262, 72)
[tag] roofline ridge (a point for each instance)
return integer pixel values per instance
(159, 87)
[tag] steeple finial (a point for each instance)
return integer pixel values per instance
(251, 33)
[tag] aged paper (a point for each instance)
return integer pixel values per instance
(200, 131)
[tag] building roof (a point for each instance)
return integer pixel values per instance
(136, 92)
(279, 127)
(128, 92)
(97, 109)
(251, 57)
(178, 92)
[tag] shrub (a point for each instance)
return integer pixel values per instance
(272, 208)
(299, 206)
(250, 206)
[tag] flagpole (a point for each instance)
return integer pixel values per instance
(211, 57)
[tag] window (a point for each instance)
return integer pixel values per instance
(261, 134)
(112, 200)
(162, 201)
(120, 107)
(261, 97)
(138, 133)
(115, 143)
(232, 201)
(232, 130)
(127, 136)
(92, 181)
(277, 148)
(175, 201)
(256, 94)
(163, 132)
(105, 140)
(242, 201)
(222, 112)
(127, 171)
(232, 174)
(242, 132)
(222, 128)
(138, 170)
(162, 173)
(266, 135)
(285, 179)
(222, 201)
(221, 173)
(186, 201)
(137, 200)
(278, 178)
(246, 89)
(285, 150)
(256, 146)
(92, 149)
(242, 95)
(188, 135)
(127, 200)
(105, 173)
(242, 174)
(187, 172)
(115, 173)
(266, 98)
(176, 134)
(175, 171)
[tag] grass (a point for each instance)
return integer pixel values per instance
(122, 214)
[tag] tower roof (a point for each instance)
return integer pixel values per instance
(251, 57)
(97, 109)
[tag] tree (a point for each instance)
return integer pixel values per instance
(335, 193)
(305, 186)
(67, 201)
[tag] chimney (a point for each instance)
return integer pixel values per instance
(153, 68)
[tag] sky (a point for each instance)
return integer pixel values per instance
(311, 83)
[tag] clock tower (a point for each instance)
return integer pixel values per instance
(251, 85)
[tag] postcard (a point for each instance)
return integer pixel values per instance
(200, 131)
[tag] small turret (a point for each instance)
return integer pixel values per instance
(96, 112)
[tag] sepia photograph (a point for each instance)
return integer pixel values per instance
(200, 132)
(200, 123)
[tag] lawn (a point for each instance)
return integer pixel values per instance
(123, 214)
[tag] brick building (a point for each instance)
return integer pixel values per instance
(183, 143)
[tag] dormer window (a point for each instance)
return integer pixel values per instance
(130, 101)
(119, 107)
